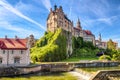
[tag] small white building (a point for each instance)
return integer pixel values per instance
(14, 52)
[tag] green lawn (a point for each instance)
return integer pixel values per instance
(57, 76)
(76, 59)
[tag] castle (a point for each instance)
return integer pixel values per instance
(57, 19)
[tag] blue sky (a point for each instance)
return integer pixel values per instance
(25, 17)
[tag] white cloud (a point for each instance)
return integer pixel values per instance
(9, 7)
(107, 20)
(18, 30)
(47, 4)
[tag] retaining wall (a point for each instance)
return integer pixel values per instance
(52, 67)
(96, 64)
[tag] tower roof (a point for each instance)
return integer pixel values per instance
(78, 24)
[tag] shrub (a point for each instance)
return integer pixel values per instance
(116, 57)
(104, 57)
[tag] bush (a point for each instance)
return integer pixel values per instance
(116, 57)
(83, 48)
(104, 57)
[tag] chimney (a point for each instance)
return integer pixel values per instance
(16, 37)
(5, 36)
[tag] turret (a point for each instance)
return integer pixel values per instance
(61, 8)
(79, 24)
(31, 41)
(100, 38)
(55, 7)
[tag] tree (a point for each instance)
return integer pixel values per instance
(111, 45)
(80, 42)
(116, 57)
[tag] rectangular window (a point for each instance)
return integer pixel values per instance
(12, 51)
(3, 51)
(16, 60)
(22, 51)
(0, 60)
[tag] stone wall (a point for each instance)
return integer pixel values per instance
(96, 64)
(8, 57)
(51, 67)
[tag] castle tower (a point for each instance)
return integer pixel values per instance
(31, 41)
(79, 24)
(55, 7)
(100, 37)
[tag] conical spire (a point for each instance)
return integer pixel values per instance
(78, 24)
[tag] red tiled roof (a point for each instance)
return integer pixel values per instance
(8, 43)
(76, 29)
(88, 32)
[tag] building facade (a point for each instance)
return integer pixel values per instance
(85, 34)
(103, 44)
(57, 19)
(14, 52)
